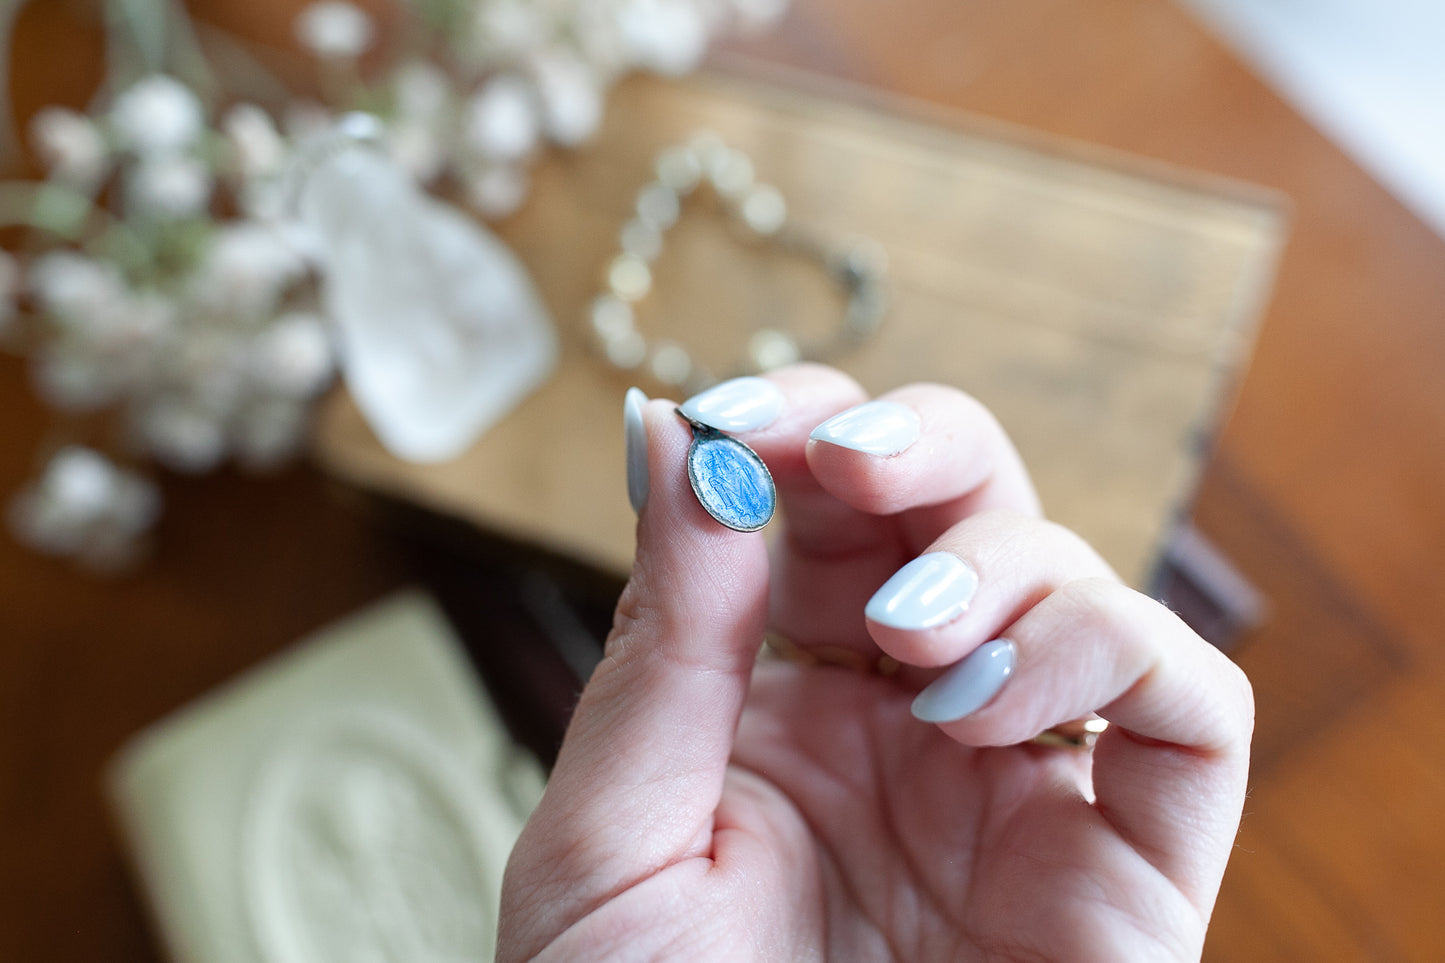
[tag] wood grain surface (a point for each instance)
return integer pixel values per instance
(1324, 487)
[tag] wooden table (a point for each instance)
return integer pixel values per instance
(1325, 489)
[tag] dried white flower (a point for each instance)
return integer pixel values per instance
(70, 145)
(759, 14)
(157, 115)
(334, 29)
(80, 292)
(509, 29)
(501, 120)
(81, 481)
(85, 507)
(304, 121)
(169, 186)
(496, 190)
(256, 144)
(182, 437)
(417, 149)
(665, 36)
(422, 91)
(69, 379)
(270, 433)
(293, 357)
(571, 97)
(245, 270)
(142, 321)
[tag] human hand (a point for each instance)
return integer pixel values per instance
(705, 807)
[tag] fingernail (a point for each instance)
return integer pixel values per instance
(875, 428)
(930, 590)
(637, 478)
(968, 685)
(742, 404)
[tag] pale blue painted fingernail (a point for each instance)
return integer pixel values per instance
(637, 477)
(742, 404)
(874, 428)
(969, 684)
(930, 590)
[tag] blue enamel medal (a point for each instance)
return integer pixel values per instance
(729, 479)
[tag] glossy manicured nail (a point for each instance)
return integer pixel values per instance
(875, 428)
(742, 404)
(930, 590)
(637, 477)
(969, 684)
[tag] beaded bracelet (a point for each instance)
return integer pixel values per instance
(857, 265)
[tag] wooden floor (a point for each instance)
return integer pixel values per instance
(1325, 489)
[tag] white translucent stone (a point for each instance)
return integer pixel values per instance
(440, 330)
(501, 120)
(629, 277)
(658, 205)
(334, 29)
(763, 210)
(157, 115)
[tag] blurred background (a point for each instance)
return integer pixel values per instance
(164, 534)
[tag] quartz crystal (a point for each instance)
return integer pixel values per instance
(440, 330)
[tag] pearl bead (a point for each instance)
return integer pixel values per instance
(764, 210)
(629, 277)
(658, 206)
(679, 169)
(641, 238)
(771, 348)
(670, 363)
(611, 317)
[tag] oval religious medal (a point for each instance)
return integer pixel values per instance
(729, 479)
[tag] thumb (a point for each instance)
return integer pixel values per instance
(641, 770)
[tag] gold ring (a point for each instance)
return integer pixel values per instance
(1078, 734)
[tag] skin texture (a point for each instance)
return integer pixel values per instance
(709, 806)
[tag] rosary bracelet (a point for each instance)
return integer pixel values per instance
(857, 265)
